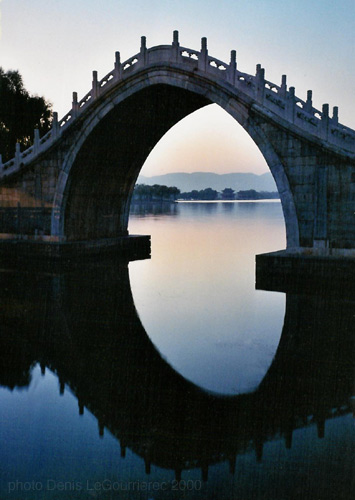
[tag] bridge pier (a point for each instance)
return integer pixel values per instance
(303, 269)
(132, 247)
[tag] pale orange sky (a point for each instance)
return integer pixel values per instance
(209, 140)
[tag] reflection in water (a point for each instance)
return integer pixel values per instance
(153, 208)
(196, 297)
(116, 406)
(82, 325)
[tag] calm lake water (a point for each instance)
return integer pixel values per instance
(173, 377)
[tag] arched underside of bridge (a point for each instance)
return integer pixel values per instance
(103, 164)
(107, 165)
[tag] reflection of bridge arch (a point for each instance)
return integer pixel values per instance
(115, 371)
(86, 166)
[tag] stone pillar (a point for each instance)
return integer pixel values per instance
(143, 52)
(203, 57)
(95, 85)
(178, 474)
(232, 461)
(55, 125)
(290, 105)
(17, 155)
(176, 46)
(309, 104)
(335, 114)
(147, 465)
(283, 88)
(260, 83)
(325, 121)
(35, 140)
(75, 105)
(101, 429)
(232, 68)
(118, 66)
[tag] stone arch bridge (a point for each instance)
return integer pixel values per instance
(75, 183)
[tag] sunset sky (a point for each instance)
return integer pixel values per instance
(56, 44)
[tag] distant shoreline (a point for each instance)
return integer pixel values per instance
(159, 202)
(268, 200)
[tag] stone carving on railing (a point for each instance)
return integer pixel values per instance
(267, 95)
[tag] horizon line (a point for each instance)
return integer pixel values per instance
(202, 172)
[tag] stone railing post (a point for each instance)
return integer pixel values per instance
(232, 68)
(55, 125)
(75, 105)
(17, 155)
(202, 60)
(36, 141)
(335, 117)
(325, 121)
(176, 46)
(118, 65)
(143, 60)
(260, 83)
(309, 103)
(95, 85)
(291, 104)
(283, 88)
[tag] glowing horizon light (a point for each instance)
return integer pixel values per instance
(208, 140)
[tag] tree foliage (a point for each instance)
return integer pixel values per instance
(20, 114)
(228, 194)
(204, 194)
(155, 193)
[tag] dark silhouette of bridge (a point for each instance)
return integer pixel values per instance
(82, 325)
(75, 183)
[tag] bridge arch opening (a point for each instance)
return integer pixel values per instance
(193, 246)
(101, 169)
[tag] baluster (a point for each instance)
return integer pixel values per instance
(95, 85)
(325, 120)
(283, 89)
(75, 105)
(55, 125)
(335, 114)
(118, 66)
(17, 155)
(309, 105)
(290, 104)
(202, 60)
(143, 51)
(176, 46)
(35, 141)
(260, 83)
(232, 68)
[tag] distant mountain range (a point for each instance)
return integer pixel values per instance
(202, 180)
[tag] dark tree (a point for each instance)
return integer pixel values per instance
(142, 192)
(208, 194)
(228, 194)
(20, 114)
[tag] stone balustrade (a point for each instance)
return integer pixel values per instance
(277, 101)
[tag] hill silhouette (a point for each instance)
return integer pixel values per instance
(202, 180)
